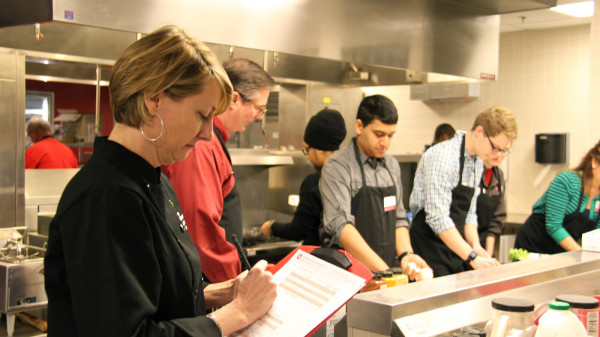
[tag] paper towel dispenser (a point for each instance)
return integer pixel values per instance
(552, 148)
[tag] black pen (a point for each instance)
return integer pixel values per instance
(241, 251)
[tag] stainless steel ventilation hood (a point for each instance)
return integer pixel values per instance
(341, 42)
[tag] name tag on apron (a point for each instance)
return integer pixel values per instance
(389, 203)
(597, 206)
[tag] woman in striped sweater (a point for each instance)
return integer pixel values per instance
(569, 208)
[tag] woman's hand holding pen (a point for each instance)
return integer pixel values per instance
(253, 295)
(256, 291)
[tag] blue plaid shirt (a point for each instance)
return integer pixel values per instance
(437, 176)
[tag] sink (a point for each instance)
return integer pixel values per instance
(27, 253)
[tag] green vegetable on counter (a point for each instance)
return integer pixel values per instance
(518, 254)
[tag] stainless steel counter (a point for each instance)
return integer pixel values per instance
(272, 252)
(451, 302)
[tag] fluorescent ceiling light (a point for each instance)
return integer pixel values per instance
(578, 9)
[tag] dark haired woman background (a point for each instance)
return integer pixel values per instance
(568, 208)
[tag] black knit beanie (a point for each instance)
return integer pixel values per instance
(325, 131)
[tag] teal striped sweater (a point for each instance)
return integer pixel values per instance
(559, 200)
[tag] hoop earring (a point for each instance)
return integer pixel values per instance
(162, 127)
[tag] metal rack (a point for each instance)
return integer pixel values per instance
(448, 303)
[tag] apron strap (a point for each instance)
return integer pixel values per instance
(462, 160)
(220, 138)
(357, 156)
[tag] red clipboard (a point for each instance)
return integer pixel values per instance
(357, 268)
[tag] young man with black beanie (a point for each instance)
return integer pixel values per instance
(323, 135)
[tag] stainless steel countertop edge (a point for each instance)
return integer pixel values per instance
(375, 311)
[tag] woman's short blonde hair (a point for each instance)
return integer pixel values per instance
(496, 120)
(168, 60)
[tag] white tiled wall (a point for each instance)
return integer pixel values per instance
(595, 74)
(544, 78)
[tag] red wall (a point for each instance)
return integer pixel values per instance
(80, 97)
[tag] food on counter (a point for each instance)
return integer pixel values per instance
(413, 267)
(511, 317)
(585, 308)
(518, 254)
(425, 273)
(399, 276)
(375, 283)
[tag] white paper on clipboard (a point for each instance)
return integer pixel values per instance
(308, 291)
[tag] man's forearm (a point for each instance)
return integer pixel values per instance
(453, 240)
(472, 236)
(403, 241)
(355, 244)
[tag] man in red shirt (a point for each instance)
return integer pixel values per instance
(204, 181)
(46, 152)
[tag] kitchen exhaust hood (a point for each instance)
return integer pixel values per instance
(340, 42)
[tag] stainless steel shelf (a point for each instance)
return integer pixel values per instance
(451, 302)
(258, 157)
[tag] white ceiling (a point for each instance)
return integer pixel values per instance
(539, 19)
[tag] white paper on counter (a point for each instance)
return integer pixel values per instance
(591, 241)
(309, 290)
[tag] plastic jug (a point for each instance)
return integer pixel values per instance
(511, 317)
(558, 321)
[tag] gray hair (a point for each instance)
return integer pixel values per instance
(38, 124)
(247, 77)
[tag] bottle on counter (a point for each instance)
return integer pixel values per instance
(399, 276)
(511, 317)
(559, 321)
(388, 277)
(585, 308)
(375, 283)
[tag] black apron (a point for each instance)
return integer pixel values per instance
(428, 245)
(486, 206)
(534, 238)
(231, 219)
(374, 224)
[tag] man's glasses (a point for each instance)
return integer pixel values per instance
(501, 151)
(305, 151)
(261, 109)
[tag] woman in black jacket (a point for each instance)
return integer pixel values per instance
(120, 261)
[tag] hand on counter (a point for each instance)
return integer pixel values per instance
(481, 262)
(483, 259)
(266, 228)
(481, 251)
(415, 268)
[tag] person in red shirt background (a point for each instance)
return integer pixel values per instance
(46, 152)
(204, 182)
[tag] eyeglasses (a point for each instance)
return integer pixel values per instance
(501, 151)
(261, 109)
(305, 151)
